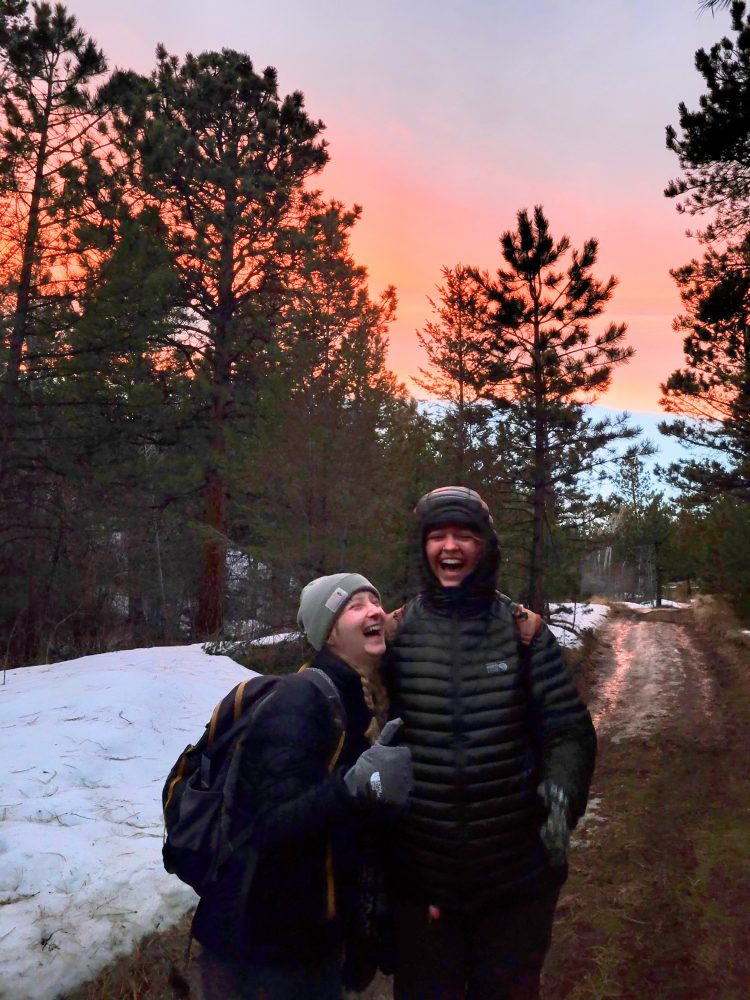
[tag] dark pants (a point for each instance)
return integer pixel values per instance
(488, 955)
(223, 979)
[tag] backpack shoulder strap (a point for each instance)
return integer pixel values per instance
(328, 689)
(231, 706)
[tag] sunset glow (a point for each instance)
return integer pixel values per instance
(443, 122)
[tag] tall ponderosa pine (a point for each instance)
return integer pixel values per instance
(223, 158)
(48, 64)
(542, 366)
(320, 467)
(713, 389)
(713, 142)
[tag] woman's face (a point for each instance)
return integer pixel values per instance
(358, 637)
(453, 552)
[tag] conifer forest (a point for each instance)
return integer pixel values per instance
(197, 414)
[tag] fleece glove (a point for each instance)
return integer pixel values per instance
(383, 773)
(555, 831)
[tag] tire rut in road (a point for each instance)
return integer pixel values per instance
(655, 681)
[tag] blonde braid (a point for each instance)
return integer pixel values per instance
(376, 699)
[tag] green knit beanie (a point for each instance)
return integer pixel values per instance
(322, 600)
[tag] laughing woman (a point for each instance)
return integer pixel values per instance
(319, 780)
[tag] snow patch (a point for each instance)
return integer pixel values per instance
(273, 640)
(569, 621)
(88, 745)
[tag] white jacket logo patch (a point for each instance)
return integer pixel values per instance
(497, 667)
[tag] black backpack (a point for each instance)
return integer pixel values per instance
(203, 828)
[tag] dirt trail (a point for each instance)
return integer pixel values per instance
(655, 681)
(656, 902)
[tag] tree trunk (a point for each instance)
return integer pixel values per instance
(19, 329)
(538, 566)
(135, 585)
(461, 399)
(658, 577)
(213, 570)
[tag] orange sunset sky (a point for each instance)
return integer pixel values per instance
(443, 119)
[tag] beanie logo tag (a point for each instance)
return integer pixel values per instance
(336, 599)
(497, 667)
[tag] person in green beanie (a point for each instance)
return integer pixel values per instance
(318, 787)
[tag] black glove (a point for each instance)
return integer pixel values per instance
(383, 773)
(555, 830)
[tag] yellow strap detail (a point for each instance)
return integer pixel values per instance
(330, 886)
(213, 724)
(337, 752)
(177, 777)
(238, 700)
(215, 715)
(330, 882)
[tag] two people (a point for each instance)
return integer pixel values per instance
(488, 742)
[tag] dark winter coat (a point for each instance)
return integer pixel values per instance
(308, 832)
(486, 720)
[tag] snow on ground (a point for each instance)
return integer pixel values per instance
(87, 745)
(650, 605)
(274, 640)
(580, 617)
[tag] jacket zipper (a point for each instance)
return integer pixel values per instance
(458, 725)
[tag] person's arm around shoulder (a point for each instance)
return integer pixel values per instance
(393, 621)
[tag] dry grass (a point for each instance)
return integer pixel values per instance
(151, 972)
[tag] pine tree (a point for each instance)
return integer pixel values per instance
(713, 389)
(646, 525)
(713, 142)
(320, 466)
(455, 373)
(542, 366)
(223, 158)
(48, 65)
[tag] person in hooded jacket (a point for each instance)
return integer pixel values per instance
(503, 751)
(316, 790)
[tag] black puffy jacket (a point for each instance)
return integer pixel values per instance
(486, 719)
(310, 836)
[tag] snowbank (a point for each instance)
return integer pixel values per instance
(579, 617)
(87, 745)
(650, 605)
